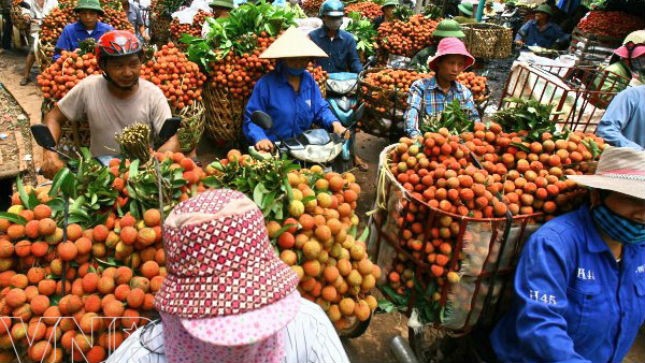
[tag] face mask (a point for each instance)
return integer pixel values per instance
(294, 71)
(333, 24)
(638, 64)
(617, 227)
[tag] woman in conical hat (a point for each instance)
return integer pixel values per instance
(289, 94)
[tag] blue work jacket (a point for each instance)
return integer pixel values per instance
(573, 301)
(623, 124)
(292, 112)
(343, 56)
(75, 33)
(531, 34)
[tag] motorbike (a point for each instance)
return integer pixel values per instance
(316, 146)
(343, 101)
(45, 139)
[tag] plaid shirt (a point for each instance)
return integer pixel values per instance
(427, 98)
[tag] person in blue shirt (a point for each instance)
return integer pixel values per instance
(135, 17)
(289, 94)
(339, 45)
(87, 26)
(623, 124)
(541, 31)
(580, 281)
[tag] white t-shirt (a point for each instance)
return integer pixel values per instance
(108, 115)
(309, 338)
(37, 13)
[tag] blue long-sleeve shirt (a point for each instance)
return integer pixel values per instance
(573, 302)
(343, 56)
(75, 33)
(623, 124)
(292, 112)
(531, 34)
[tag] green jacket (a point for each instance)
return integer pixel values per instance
(421, 58)
(615, 77)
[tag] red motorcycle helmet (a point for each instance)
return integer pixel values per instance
(117, 43)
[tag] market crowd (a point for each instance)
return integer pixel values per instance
(589, 264)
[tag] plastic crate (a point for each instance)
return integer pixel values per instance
(579, 104)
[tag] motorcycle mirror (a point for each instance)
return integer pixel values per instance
(43, 137)
(262, 119)
(360, 111)
(168, 130)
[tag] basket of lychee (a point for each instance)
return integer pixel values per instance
(385, 93)
(456, 209)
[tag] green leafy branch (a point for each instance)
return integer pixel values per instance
(454, 118)
(531, 115)
(364, 33)
(264, 181)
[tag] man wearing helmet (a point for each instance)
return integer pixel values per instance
(87, 26)
(339, 45)
(111, 101)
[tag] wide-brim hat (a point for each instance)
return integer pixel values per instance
(228, 4)
(619, 169)
(293, 43)
(450, 46)
(89, 5)
(634, 39)
(222, 270)
(544, 8)
(448, 28)
(466, 8)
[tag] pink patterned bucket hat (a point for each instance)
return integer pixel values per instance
(450, 46)
(223, 272)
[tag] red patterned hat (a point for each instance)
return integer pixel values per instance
(222, 269)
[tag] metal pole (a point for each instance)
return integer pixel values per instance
(480, 10)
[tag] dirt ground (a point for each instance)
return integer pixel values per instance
(374, 345)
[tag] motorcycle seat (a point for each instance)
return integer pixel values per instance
(314, 137)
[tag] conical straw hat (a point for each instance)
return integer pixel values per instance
(293, 43)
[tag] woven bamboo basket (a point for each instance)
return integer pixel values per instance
(488, 41)
(160, 29)
(73, 134)
(17, 19)
(193, 120)
(45, 54)
(15, 140)
(223, 114)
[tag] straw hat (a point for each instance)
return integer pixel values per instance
(223, 272)
(293, 43)
(620, 169)
(450, 46)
